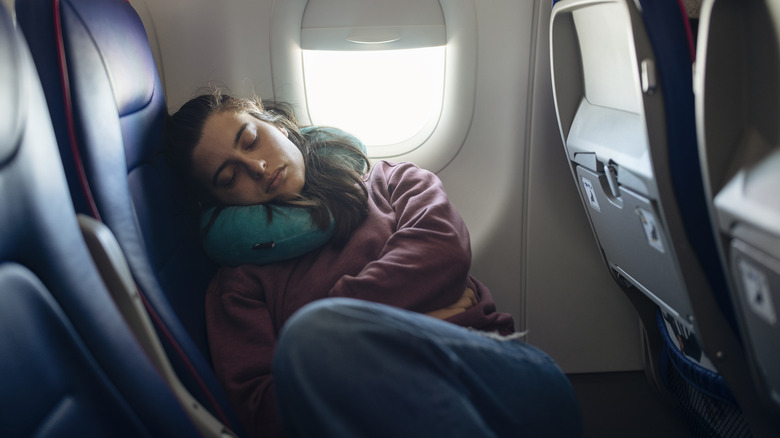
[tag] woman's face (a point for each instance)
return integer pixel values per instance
(241, 160)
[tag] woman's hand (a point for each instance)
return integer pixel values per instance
(466, 301)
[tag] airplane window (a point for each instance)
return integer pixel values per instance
(375, 70)
(399, 75)
(383, 97)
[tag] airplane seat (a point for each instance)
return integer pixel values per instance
(737, 111)
(109, 112)
(622, 85)
(70, 365)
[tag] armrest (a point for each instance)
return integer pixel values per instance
(112, 265)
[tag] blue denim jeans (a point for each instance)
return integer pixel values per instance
(350, 368)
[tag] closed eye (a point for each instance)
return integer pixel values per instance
(251, 145)
(226, 178)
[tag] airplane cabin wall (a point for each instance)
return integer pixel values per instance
(531, 241)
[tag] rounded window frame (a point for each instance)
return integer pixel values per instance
(435, 146)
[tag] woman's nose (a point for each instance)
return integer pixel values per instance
(256, 167)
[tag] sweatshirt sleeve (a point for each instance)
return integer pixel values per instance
(242, 341)
(424, 264)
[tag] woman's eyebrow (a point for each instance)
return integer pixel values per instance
(238, 134)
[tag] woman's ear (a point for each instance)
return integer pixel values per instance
(284, 131)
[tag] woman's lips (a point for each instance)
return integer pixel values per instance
(276, 180)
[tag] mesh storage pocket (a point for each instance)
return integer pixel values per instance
(705, 401)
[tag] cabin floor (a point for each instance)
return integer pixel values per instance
(623, 404)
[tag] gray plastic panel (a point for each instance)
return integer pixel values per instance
(758, 282)
(630, 232)
(751, 196)
(614, 136)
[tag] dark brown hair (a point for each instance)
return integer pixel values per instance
(335, 165)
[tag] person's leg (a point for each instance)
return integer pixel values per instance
(349, 368)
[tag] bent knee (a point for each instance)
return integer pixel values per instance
(321, 319)
(320, 327)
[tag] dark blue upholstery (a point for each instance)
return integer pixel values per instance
(109, 118)
(70, 366)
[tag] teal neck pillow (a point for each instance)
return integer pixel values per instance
(245, 234)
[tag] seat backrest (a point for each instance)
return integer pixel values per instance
(108, 111)
(623, 89)
(738, 114)
(70, 365)
(621, 117)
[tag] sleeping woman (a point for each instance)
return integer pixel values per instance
(379, 330)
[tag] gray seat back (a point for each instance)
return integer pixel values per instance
(738, 118)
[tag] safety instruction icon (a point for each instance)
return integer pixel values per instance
(652, 231)
(756, 289)
(590, 193)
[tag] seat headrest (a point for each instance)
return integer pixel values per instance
(127, 57)
(11, 100)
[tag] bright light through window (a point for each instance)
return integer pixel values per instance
(382, 97)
